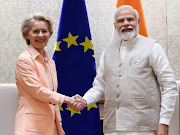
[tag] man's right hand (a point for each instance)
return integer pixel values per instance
(79, 103)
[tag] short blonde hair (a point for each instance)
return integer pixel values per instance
(27, 23)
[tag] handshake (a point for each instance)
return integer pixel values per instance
(76, 102)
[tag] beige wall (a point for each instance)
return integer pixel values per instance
(162, 17)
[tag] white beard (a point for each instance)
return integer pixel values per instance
(128, 35)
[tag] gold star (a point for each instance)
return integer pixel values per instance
(87, 44)
(72, 111)
(92, 106)
(56, 47)
(60, 108)
(71, 40)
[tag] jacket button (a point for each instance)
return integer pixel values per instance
(119, 75)
(120, 65)
(117, 85)
(117, 96)
(117, 107)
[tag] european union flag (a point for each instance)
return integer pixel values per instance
(75, 63)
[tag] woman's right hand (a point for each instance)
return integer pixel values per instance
(76, 102)
(69, 100)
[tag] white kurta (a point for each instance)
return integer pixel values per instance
(159, 62)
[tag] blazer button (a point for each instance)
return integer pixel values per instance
(117, 85)
(120, 65)
(119, 75)
(117, 107)
(117, 96)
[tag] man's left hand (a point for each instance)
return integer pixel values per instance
(162, 129)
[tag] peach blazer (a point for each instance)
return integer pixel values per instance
(38, 105)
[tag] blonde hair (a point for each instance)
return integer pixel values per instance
(27, 23)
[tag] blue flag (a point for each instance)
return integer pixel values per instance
(75, 63)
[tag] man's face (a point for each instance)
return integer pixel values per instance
(126, 25)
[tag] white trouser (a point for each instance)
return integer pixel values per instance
(132, 133)
(55, 129)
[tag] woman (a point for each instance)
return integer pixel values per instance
(36, 79)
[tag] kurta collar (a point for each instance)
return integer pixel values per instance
(130, 42)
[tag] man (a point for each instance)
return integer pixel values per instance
(129, 77)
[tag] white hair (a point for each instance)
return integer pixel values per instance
(124, 7)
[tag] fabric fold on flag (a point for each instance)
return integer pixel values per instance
(75, 64)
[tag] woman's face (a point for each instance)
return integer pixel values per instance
(38, 35)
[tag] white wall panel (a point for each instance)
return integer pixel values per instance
(162, 20)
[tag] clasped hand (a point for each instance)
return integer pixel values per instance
(76, 102)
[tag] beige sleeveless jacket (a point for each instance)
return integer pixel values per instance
(131, 90)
